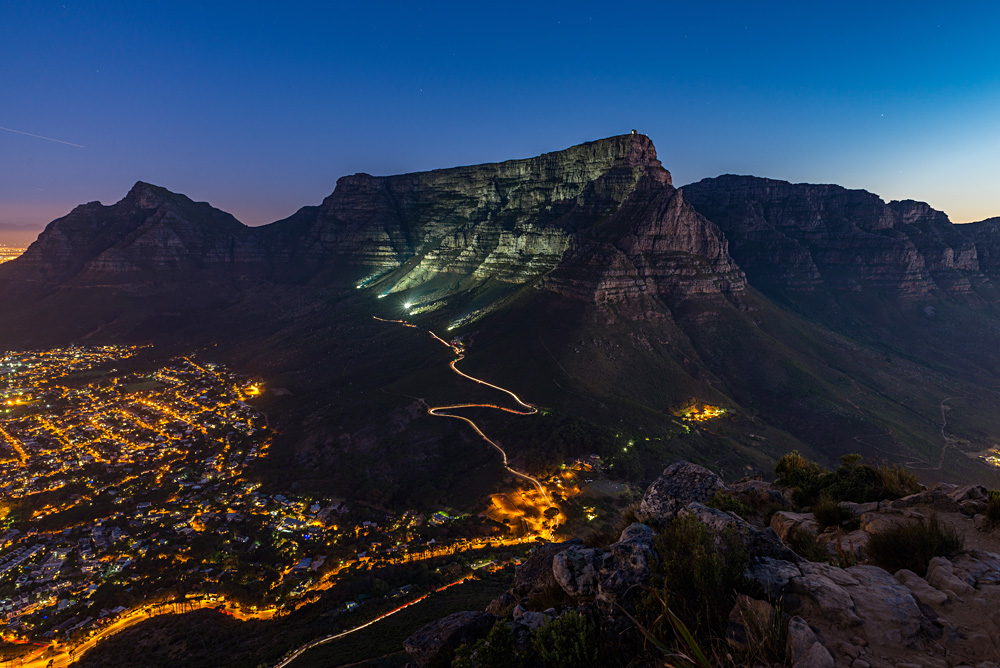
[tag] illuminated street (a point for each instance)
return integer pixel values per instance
(8, 253)
(125, 485)
(441, 411)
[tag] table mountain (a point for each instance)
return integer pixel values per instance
(583, 279)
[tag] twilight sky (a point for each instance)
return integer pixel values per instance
(258, 108)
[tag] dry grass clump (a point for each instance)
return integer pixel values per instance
(912, 545)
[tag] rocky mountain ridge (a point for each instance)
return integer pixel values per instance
(588, 281)
(802, 238)
(151, 233)
(606, 210)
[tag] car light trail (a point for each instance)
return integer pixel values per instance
(322, 641)
(439, 411)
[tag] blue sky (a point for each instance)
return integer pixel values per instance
(259, 108)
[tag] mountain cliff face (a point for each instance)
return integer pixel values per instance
(584, 276)
(151, 234)
(606, 210)
(795, 238)
(604, 213)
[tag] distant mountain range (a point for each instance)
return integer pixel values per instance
(824, 318)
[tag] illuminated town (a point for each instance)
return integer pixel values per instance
(702, 413)
(8, 253)
(122, 489)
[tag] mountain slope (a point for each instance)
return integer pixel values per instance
(583, 280)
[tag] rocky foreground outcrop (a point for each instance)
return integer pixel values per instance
(852, 614)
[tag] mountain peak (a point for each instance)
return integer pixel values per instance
(148, 196)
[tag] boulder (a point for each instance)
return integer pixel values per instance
(858, 509)
(772, 575)
(977, 568)
(627, 566)
(921, 590)
(833, 573)
(759, 543)
(531, 620)
(576, 570)
(803, 648)
(750, 622)
(827, 598)
(894, 617)
(534, 575)
(434, 645)
(680, 484)
(784, 523)
(972, 508)
(968, 493)
(941, 575)
(932, 498)
(879, 521)
(754, 487)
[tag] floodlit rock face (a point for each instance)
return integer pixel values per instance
(804, 237)
(601, 221)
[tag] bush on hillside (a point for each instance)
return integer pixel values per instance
(852, 481)
(496, 650)
(912, 545)
(993, 509)
(729, 503)
(567, 642)
(827, 512)
(794, 470)
(699, 575)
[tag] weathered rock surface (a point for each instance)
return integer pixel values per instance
(804, 649)
(576, 570)
(151, 234)
(758, 542)
(627, 566)
(805, 237)
(785, 523)
(535, 575)
(680, 484)
(434, 645)
(859, 616)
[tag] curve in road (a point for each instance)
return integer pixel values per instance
(442, 411)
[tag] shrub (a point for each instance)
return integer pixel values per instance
(730, 504)
(496, 650)
(795, 470)
(896, 481)
(700, 574)
(993, 509)
(829, 513)
(852, 481)
(567, 642)
(912, 545)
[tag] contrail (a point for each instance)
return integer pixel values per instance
(28, 134)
